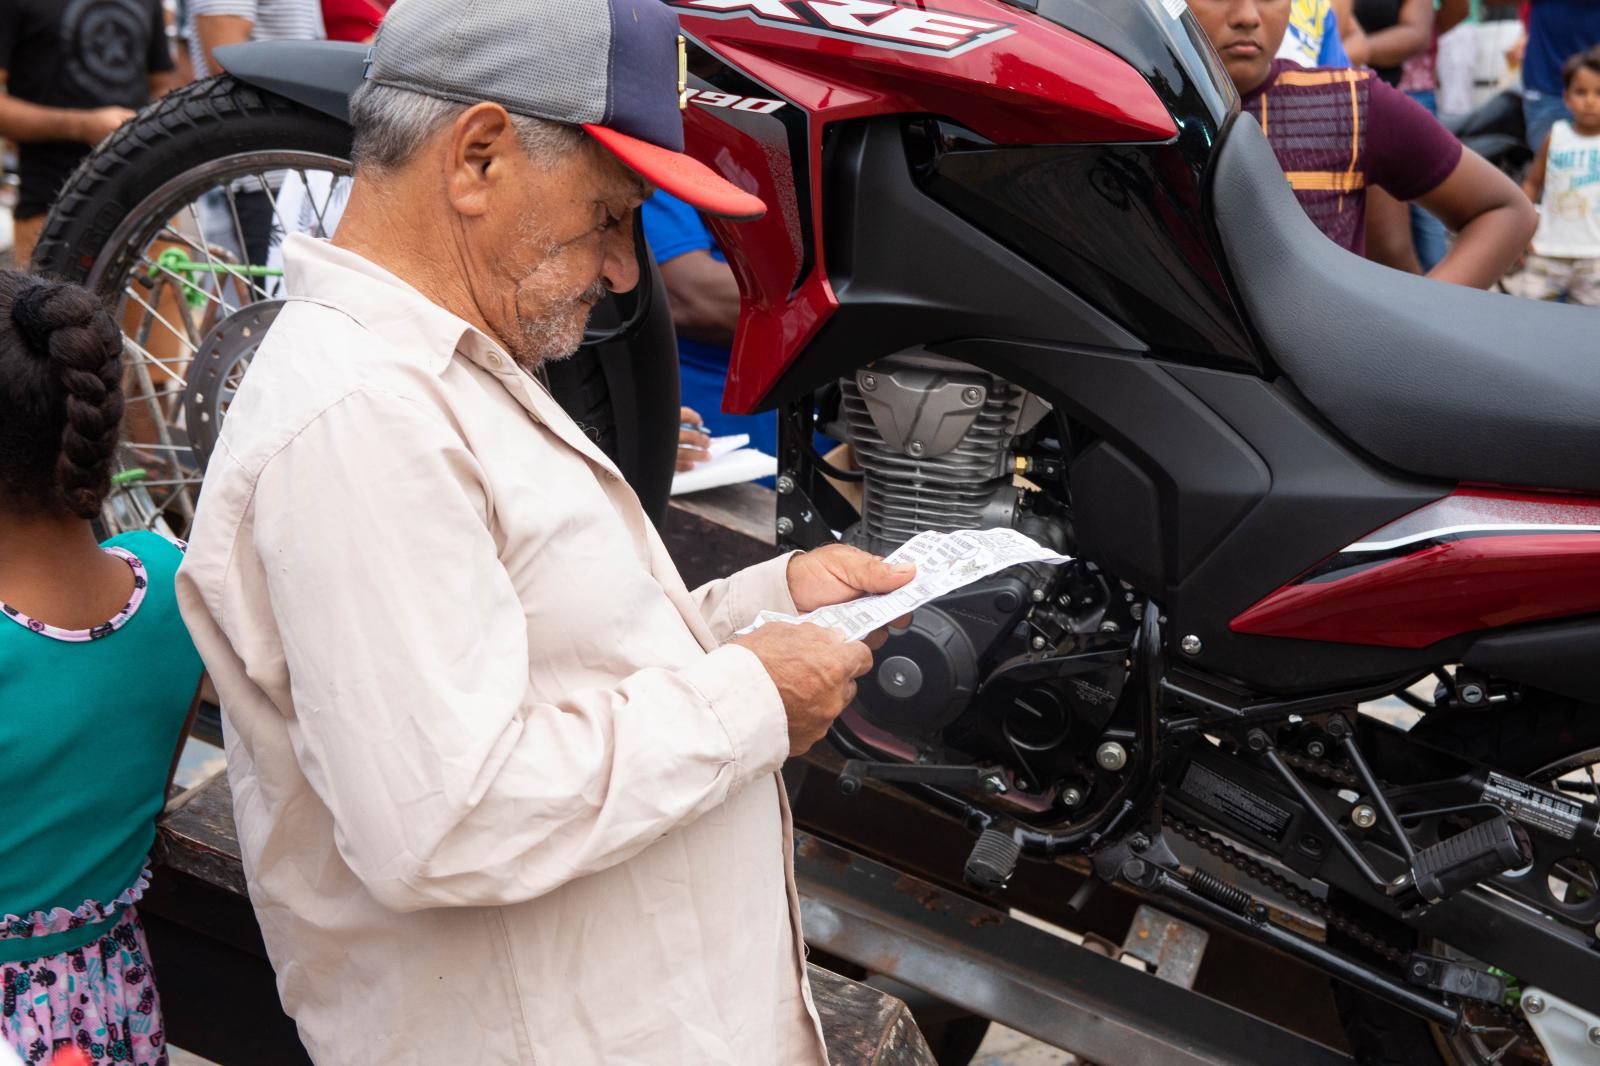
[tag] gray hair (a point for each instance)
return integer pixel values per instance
(391, 125)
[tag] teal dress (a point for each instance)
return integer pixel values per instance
(89, 721)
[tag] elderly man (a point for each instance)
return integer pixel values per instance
(505, 788)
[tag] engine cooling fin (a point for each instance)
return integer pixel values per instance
(966, 486)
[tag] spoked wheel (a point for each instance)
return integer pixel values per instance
(177, 222)
(1548, 740)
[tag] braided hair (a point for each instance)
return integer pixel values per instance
(60, 396)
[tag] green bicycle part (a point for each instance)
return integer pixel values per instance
(128, 476)
(176, 262)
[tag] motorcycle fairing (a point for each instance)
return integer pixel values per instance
(1473, 560)
(1040, 83)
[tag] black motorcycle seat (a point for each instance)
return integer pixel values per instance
(1433, 379)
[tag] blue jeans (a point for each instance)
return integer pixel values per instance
(1428, 234)
(1541, 111)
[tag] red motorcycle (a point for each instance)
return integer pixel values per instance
(1030, 263)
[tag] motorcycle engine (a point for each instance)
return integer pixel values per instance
(1023, 669)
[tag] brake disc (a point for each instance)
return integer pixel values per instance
(217, 370)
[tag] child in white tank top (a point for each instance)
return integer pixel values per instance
(1565, 181)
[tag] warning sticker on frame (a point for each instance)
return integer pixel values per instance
(1233, 800)
(1549, 811)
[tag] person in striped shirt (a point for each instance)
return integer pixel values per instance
(214, 23)
(1338, 132)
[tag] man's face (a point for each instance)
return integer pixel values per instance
(1245, 33)
(551, 246)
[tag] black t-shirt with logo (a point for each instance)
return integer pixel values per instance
(76, 54)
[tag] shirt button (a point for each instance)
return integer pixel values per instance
(495, 362)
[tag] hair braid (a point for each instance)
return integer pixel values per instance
(67, 325)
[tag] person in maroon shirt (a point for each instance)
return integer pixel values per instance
(1338, 132)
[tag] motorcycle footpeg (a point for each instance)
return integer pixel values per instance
(993, 860)
(1486, 850)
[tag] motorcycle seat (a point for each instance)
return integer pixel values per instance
(1434, 379)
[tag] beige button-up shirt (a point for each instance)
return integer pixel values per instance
(503, 794)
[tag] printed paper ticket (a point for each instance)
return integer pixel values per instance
(944, 561)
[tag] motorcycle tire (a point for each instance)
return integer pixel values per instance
(623, 393)
(1543, 732)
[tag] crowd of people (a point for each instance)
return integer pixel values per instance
(1344, 92)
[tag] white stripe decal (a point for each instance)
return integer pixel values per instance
(1452, 531)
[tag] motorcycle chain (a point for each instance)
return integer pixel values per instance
(1263, 875)
(1332, 917)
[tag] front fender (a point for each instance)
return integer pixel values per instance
(318, 74)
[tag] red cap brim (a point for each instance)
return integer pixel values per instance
(683, 176)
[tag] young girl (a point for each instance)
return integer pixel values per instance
(1564, 181)
(96, 676)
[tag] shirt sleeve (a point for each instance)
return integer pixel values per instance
(158, 58)
(731, 603)
(1408, 152)
(674, 228)
(407, 651)
(1333, 53)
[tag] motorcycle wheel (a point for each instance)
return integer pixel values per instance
(1545, 739)
(174, 222)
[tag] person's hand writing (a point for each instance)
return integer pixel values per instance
(815, 671)
(838, 573)
(693, 440)
(96, 124)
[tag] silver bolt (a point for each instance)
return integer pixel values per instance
(1316, 749)
(1532, 1004)
(1594, 1035)
(868, 382)
(916, 447)
(1071, 797)
(785, 484)
(1111, 756)
(993, 784)
(1038, 643)
(1364, 816)
(785, 526)
(1108, 626)
(1472, 693)
(972, 396)
(1038, 595)
(1190, 645)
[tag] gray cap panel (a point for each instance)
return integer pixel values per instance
(476, 50)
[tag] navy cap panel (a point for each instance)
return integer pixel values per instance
(643, 97)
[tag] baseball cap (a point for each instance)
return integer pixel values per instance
(609, 66)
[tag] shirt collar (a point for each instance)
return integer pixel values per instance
(384, 303)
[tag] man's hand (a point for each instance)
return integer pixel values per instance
(815, 671)
(838, 573)
(96, 124)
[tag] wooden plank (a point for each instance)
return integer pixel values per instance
(748, 510)
(863, 1025)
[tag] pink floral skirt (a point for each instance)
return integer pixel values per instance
(100, 997)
